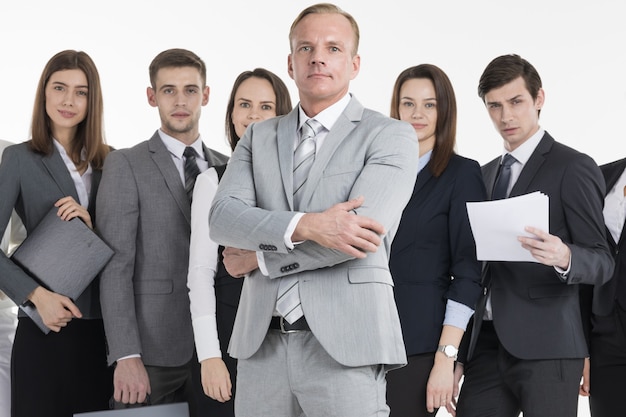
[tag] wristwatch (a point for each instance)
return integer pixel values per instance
(449, 350)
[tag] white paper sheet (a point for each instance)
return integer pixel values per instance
(497, 224)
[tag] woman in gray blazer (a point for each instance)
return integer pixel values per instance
(65, 371)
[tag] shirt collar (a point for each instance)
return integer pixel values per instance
(523, 152)
(423, 161)
(329, 115)
(177, 148)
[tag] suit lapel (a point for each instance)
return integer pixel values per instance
(490, 172)
(58, 171)
(533, 164)
(345, 124)
(286, 137)
(422, 179)
(163, 160)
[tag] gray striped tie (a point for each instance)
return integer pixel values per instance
(288, 302)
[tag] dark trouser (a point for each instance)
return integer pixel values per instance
(59, 374)
(608, 364)
(497, 384)
(406, 387)
(208, 407)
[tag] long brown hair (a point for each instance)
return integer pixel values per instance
(283, 99)
(89, 132)
(445, 130)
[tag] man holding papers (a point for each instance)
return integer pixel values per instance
(526, 349)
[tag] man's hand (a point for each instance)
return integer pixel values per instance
(56, 310)
(239, 262)
(216, 379)
(342, 229)
(546, 248)
(130, 381)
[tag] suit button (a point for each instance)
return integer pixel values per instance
(283, 269)
(273, 247)
(296, 265)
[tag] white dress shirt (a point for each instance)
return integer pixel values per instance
(82, 183)
(615, 208)
(202, 268)
(177, 148)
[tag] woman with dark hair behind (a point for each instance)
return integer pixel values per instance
(63, 372)
(256, 95)
(433, 255)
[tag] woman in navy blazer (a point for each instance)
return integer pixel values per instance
(65, 371)
(433, 256)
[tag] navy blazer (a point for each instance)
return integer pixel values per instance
(434, 243)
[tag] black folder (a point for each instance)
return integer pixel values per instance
(163, 410)
(62, 256)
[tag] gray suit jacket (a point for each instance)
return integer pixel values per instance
(31, 183)
(347, 302)
(146, 220)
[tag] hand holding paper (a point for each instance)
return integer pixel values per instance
(496, 226)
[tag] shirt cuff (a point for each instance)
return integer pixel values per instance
(457, 314)
(291, 227)
(134, 355)
(206, 338)
(564, 273)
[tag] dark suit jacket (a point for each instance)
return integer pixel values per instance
(144, 215)
(434, 243)
(31, 183)
(601, 300)
(536, 314)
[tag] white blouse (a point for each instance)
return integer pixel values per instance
(202, 268)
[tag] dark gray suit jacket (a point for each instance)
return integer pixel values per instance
(146, 220)
(31, 183)
(535, 313)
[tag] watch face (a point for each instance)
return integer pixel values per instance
(450, 351)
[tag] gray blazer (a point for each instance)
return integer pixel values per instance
(31, 183)
(348, 303)
(146, 220)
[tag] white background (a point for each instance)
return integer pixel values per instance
(578, 47)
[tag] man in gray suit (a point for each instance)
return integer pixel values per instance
(144, 212)
(325, 241)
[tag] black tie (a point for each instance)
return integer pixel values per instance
(191, 170)
(504, 178)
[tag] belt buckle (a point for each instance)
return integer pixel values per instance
(282, 326)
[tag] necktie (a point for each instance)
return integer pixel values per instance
(288, 301)
(500, 189)
(504, 178)
(191, 170)
(303, 158)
